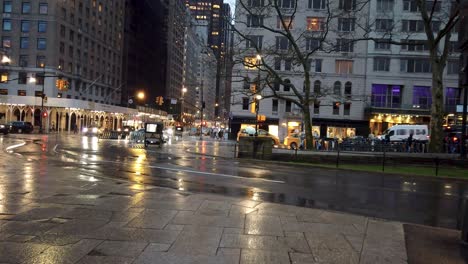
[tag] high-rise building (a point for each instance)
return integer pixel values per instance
(72, 49)
(145, 48)
(360, 87)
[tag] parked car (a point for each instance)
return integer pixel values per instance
(4, 129)
(91, 131)
(20, 127)
(293, 141)
(250, 132)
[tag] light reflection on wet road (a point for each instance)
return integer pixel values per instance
(403, 198)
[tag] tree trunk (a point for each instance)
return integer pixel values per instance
(437, 109)
(308, 127)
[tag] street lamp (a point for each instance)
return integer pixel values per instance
(42, 65)
(141, 95)
(6, 59)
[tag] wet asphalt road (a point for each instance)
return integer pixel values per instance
(403, 198)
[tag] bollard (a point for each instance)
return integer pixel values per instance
(295, 153)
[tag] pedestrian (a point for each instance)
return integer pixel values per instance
(220, 134)
(409, 142)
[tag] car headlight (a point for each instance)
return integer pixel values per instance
(169, 131)
(2, 126)
(85, 129)
(95, 130)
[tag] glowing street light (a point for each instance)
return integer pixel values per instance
(141, 95)
(32, 80)
(5, 59)
(184, 90)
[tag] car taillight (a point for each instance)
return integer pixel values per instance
(455, 139)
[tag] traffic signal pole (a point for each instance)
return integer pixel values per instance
(42, 99)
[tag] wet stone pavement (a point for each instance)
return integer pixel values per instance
(61, 216)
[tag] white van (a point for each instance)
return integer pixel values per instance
(402, 132)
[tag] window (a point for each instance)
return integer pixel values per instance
(22, 78)
(25, 25)
(412, 6)
(282, 43)
(336, 108)
(346, 24)
(422, 97)
(286, 3)
(23, 60)
(4, 77)
(313, 43)
(315, 65)
(382, 64)
(416, 45)
(26, 8)
(6, 6)
(254, 42)
(454, 47)
(250, 63)
(277, 64)
(287, 21)
(412, 26)
(70, 51)
(24, 43)
(317, 85)
(6, 42)
(62, 31)
(287, 85)
(315, 23)
(40, 78)
(385, 5)
(72, 35)
(41, 44)
(43, 8)
(452, 96)
(21, 92)
(337, 88)
(453, 67)
(62, 48)
(317, 107)
(288, 64)
(317, 4)
(40, 61)
(3, 91)
(6, 25)
(383, 25)
(254, 21)
(416, 65)
(42, 26)
(347, 109)
(274, 105)
(348, 88)
(347, 5)
(255, 3)
(382, 45)
(288, 106)
(245, 103)
(344, 45)
(38, 93)
(344, 66)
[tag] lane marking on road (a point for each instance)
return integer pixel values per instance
(215, 174)
(15, 146)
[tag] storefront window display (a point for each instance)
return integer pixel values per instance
(340, 132)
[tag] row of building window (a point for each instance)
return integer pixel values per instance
(26, 8)
(382, 5)
(381, 64)
(289, 106)
(345, 24)
(25, 26)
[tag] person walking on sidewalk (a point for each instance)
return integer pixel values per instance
(409, 142)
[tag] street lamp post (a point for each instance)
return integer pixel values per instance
(42, 98)
(257, 96)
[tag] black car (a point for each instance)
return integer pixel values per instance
(4, 129)
(20, 127)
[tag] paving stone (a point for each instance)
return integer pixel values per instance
(55, 240)
(156, 219)
(169, 205)
(247, 203)
(150, 257)
(333, 247)
(250, 256)
(229, 230)
(189, 218)
(196, 240)
(384, 243)
(241, 210)
(19, 238)
(77, 227)
(214, 208)
(13, 252)
(120, 248)
(105, 260)
(26, 228)
(40, 213)
(263, 225)
(174, 227)
(158, 247)
(87, 214)
(278, 209)
(66, 254)
(299, 258)
(286, 244)
(134, 234)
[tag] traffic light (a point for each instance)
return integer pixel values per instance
(58, 83)
(159, 100)
(66, 85)
(44, 114)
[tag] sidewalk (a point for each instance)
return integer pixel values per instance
(53, 214)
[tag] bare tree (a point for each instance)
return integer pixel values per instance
(294, 41)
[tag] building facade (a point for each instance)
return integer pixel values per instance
(73, 52)
(359, 87)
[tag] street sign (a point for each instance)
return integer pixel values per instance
(130, 101)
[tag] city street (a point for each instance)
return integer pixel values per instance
(205, 167)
